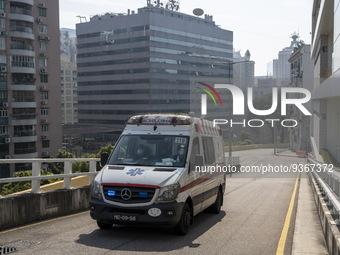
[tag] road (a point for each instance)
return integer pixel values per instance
(251, 222)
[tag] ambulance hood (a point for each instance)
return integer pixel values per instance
(157, 176)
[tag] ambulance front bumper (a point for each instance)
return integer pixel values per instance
(163, 214)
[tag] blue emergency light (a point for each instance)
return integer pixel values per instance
(143, 194)
(111, 193)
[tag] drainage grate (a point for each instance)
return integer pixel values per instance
(6, 250)
(16, 246)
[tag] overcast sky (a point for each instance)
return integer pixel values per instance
(263, 26)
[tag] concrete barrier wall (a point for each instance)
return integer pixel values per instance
(329, 228)
(27, 208)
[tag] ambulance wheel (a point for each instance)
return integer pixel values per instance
(103, 225)
(182, 227)
(216, 207)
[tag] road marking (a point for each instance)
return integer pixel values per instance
(41, 222)
(284, 233)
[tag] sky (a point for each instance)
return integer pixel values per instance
(263, 27)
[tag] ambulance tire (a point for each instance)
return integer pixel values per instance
(103, 225)
(216, 207)
(182, 227)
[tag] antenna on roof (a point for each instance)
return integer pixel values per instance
(172, 5)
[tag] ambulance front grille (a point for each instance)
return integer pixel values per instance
(128, 194)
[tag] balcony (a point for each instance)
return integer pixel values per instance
(22, 49)
(3, 85)
(30, 2)
(22, 122)
(23, 79)
(24, 139)
(22, 32)
(24, 99)
(24, 116)
(23, 151)
(22, 67)
(22, 11)
(25, 155)
(20, 46)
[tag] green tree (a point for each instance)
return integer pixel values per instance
(58, 167)
(14, 187)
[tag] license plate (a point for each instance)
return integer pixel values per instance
(124, 217)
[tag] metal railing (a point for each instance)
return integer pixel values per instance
(328, 181)
(37, 166)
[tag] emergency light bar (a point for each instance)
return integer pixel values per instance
(160, 119)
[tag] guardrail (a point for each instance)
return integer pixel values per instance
(328, 182)
(325, 188)
(36, 167)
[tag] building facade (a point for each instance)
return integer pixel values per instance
(301, 67)
(149, 61)
(325, 52)
(30, 124)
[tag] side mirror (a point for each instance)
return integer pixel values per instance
(104, 156)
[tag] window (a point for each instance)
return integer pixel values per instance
(42, 45)
(42, 29)
(2, 23)
(43, 78)
(42, 11)
(44, 111)
(45, 144)
(43, 61)
(44, 95)
(209, 150)
(150, 150)
(3, 59)
(2, 43)
(22, 61)
(3, 95)
(3, 130)
(3, 113)
(2, 4)
(44, 127)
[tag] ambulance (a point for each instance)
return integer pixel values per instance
(161, 172)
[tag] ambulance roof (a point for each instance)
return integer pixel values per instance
(166, 119)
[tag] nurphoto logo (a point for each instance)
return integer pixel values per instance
(238, 97)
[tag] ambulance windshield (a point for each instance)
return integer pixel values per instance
(150, 150)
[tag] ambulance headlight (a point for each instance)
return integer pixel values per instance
(96, 190)
(168, 193)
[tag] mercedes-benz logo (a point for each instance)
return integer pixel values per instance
(126, 194)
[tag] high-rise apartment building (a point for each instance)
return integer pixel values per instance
(281, 66)
(68, 73)
(325, 52)
(68, 84)
(243, 71)
(30, 119)
(147, 61)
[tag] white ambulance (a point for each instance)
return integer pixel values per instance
(162, 172)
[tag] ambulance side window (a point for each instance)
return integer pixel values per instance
(195, 148)
(194, 152)
(209, 150)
